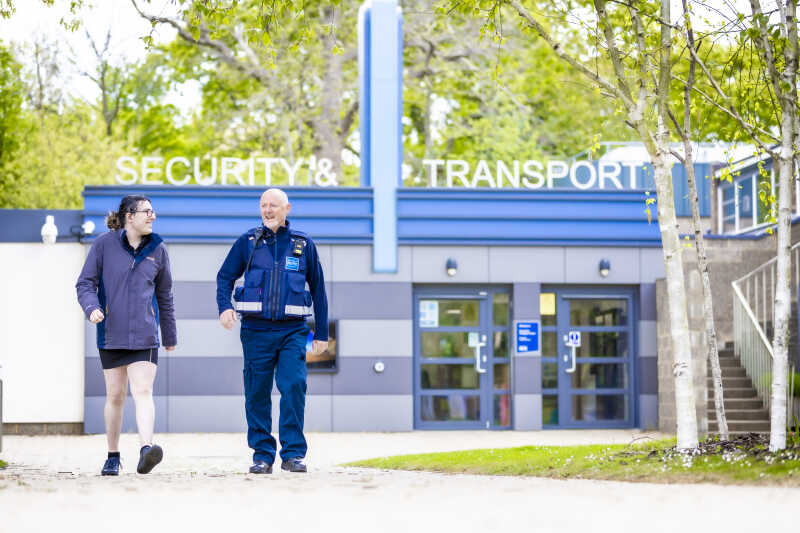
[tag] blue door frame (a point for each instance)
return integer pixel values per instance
(487, 331)
(567, 396)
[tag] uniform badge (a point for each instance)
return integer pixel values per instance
(299, 244)
(292, 263)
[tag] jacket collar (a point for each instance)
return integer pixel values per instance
(152, 244)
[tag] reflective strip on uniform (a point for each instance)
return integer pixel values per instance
(297, 310)
(247, 306)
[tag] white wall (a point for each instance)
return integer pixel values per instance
(41, 332)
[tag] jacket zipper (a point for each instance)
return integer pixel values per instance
(275, 287)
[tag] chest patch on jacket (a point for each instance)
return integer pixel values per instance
(292, 263)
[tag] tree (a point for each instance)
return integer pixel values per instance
(637, 41)
(11, 91)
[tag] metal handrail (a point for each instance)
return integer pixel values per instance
(754, 317)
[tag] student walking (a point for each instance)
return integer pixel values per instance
(125, 288)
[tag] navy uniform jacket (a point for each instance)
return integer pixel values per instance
(276, 268)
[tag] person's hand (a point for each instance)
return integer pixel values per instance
(96, 316)
(319, 346)
(169, 348)
(228, 318)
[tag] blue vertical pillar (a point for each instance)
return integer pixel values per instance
(380, 61)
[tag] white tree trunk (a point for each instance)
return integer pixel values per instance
(783, 292)
(685, 410)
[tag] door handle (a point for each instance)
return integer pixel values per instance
(478, 368)
(571, 369)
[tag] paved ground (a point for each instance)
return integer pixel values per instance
(53, 485)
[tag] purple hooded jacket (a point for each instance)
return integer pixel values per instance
(133, 292)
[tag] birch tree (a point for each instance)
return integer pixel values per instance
(774, 37)
(687, 159)
(637, 40)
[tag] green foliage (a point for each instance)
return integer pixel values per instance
(11, 100)
(655, 462)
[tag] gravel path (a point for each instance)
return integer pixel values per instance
(52, 484)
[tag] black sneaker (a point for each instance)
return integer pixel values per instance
(111, 467)
(261, 467)
(295, 464)
(149, 457)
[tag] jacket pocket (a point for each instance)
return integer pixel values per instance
(298, 300)
(248, 299)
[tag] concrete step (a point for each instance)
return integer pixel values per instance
(731, 382)
(741, 414)
(736, 403)
(729, 362)
(728, 352)
(734, 393)
(756, 426)
(730, 372)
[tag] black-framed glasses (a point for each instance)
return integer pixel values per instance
(148, 212)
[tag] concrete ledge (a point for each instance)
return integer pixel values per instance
(40, 428)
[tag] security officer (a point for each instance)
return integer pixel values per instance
(277, 261)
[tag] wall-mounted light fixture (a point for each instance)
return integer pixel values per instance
(84, 230)
(49, 230)
(451, 267)
(604, 267)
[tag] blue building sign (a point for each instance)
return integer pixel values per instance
(526, 334)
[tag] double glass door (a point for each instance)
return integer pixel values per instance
(462, 363)
(589, 385)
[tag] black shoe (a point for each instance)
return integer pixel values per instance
(295, 464)
(261, 467)
(111, 467)
(149, 457)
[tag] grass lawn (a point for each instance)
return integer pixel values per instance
(745, 460)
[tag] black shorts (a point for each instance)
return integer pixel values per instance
(117, 358)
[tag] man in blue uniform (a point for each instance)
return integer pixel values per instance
(277, 261)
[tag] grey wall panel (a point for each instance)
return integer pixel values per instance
(356, 376)
(652, 264)
(528, 412)
(95, 385)
(375, 338)
(373, 413)
(582, 265)
(197, 262)
(91, 339)
(93, 421)
(206, 338)
(354, 263)
(648, 375)
(525, 298)
(428, 264)
(222, 376)
(371, 300)
(647, 301)
(648, 411)
(510, 264)
(325, 259)
(527, 375)
(205, 376)
(648, 343)
(195, 300)
(195, 414)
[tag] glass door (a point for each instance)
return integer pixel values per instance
(462, 365)
(587, 361)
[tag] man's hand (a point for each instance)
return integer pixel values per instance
(228, 318)
(96, 316)
(319, 346)
(169, 348)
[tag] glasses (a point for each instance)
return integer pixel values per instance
(148, 212)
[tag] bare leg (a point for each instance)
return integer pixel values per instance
(142, 374)
(116, 390)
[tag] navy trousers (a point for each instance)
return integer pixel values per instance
(282, 355)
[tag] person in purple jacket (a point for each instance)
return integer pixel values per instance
(125, 288)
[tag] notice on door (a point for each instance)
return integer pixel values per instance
(429, 313)
(526, 336)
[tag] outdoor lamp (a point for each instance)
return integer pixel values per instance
(451, 267)
(604, 267)
(87, 228)
(49, 230)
